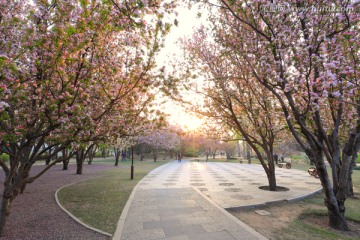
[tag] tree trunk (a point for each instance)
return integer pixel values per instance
(65, 162)
(91, 153)
(248, 157)
(227, 156)
(117, 155)
(350, 189)
(79, 167)
(47, 161)
(103, 153)
(270, 172)
(90, 159)
(123, 155)
(336, 209)
(13, 185)
(4, 213)
(80, 157)
(272, 180)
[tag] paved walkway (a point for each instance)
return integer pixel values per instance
(181, 201)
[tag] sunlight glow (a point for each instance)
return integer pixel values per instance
(182, 118)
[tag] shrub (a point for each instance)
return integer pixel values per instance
(4, 157)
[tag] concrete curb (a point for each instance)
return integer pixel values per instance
(289, 200)
(120, 223)
(229, 215)
(72, 216)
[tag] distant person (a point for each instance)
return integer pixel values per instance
(179, 157)
(276, 158)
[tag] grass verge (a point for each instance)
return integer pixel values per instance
(306, 219)
(99, 202)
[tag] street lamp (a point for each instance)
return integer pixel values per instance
(132, 163)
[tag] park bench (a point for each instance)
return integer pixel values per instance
(313, 172)
(285, 162)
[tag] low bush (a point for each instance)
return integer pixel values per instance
(4, 157)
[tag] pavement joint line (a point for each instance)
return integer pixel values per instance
(71, 215)
(229, 215)
(295, 199)
(216, 203)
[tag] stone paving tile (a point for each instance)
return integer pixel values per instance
(149, 234)
(167, 205)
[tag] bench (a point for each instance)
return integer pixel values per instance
(313, 172)
(286, 164)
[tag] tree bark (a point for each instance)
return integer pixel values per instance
(80, 157)
(117, 152)
(65, 161)
(272, 180)
(4, 213)
(66, 164)
(91, 153)
(336, 209)
(350, 189)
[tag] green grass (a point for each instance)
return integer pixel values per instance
(316, 209)
(299, 229)
(99, 202)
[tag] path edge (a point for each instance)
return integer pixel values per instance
(121, 221)
(75, 218)
(232, 217)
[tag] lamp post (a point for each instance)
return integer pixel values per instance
(132, 163)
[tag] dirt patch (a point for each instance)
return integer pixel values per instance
(322, 221)
(281, 215)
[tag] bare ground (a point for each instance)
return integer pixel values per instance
(281, 215)
(35, 214)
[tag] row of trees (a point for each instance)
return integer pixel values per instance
(72, 73)
(285, 70)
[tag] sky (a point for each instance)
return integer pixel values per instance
(187, 20)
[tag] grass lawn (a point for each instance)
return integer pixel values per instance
(312, 222)
(306, 219)
(99, 202)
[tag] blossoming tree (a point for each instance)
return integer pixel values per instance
(64, 67)
(307, 55)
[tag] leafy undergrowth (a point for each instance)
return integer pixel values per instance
(99, 202)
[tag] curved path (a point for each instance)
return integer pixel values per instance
(187, 200)
(35, 214)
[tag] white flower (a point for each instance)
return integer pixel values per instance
(3, 105)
